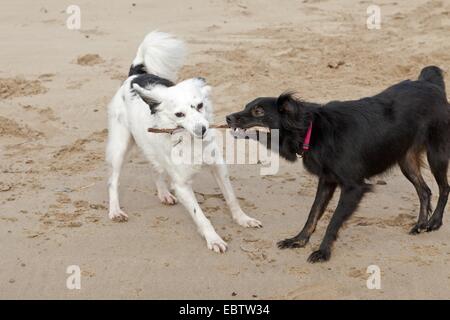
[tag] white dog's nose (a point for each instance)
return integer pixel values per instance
(200, 130)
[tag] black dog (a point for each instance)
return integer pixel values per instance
(355, 140)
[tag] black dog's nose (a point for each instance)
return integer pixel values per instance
(228, 118)
(203, 130)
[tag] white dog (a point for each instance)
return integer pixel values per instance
(149, 98)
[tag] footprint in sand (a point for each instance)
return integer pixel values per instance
(11, 128)
(89, 60)
(20, 87)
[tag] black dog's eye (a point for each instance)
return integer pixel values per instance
(180, 114)
(200, 106)
(258, 111)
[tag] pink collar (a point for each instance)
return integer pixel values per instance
(307, 138)
(306, 142)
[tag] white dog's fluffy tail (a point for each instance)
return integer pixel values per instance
(160, 54)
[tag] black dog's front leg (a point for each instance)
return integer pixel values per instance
(348, 202)
(325, 191)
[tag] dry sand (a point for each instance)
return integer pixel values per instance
(55, 84)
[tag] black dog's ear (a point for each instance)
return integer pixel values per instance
(287, 103)
(148, 97)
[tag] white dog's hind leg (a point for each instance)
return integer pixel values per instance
(163, 190)
(220, 173)
(187, 197)
(118, 144)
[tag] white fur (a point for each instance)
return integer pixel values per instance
(129, 118)
(162, 54)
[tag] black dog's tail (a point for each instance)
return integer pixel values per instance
(433, 74)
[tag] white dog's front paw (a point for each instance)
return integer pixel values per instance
(167, 198)
(216, 243)
(248, 222)
(118, 216)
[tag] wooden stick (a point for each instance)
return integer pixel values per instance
(160, 130)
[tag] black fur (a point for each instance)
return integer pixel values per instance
(137, 69)
(355, 140)
(148, 80)
(434, 75)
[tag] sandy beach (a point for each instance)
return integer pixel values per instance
(55, 84)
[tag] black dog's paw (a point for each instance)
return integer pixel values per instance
(319, 256)
(292, 243)
(418, 228)
(434, 224)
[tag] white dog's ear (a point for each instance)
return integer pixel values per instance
(204, 87)
(206, 90)
(201, 80)
(152, 97)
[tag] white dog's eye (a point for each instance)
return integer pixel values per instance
(200, 106)
(180, 114)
